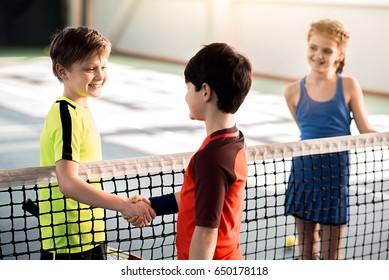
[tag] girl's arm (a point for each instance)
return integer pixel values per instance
(357, 107)
(292, 95)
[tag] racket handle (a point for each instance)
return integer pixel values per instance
(31, 207)
(133, 257)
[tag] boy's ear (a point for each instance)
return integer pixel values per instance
(61, 71)
(207, 92)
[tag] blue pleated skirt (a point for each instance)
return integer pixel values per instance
(318, 188)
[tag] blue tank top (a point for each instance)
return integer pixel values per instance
(323, 119)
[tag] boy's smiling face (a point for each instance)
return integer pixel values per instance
(85, 78)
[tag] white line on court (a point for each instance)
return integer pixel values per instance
(29, 94)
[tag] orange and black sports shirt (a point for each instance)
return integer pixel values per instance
(212, 193)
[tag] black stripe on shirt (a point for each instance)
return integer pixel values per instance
(66, 128)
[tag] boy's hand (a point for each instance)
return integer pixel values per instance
(139, 197)
(140, 220)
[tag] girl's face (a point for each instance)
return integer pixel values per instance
(323, 53)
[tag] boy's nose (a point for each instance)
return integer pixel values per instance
(99, 75)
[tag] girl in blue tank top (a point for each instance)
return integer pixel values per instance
(321, 104)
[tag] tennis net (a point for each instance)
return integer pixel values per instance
(264, 224)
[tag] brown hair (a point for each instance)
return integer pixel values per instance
(73, 44)
(334, 30)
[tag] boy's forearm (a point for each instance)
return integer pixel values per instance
(75, 188)
(177, 196)
(203, 243)
(85, 193)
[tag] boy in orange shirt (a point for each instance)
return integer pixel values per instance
(210, 202)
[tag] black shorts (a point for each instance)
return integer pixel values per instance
(97, 253)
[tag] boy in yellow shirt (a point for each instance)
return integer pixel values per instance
(71, 213)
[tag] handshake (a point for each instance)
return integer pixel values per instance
(139, 211)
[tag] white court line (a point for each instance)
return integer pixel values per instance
(6, 148)
(20, 128)
(29, 94)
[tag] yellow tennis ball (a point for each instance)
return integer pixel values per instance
(290, 241)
